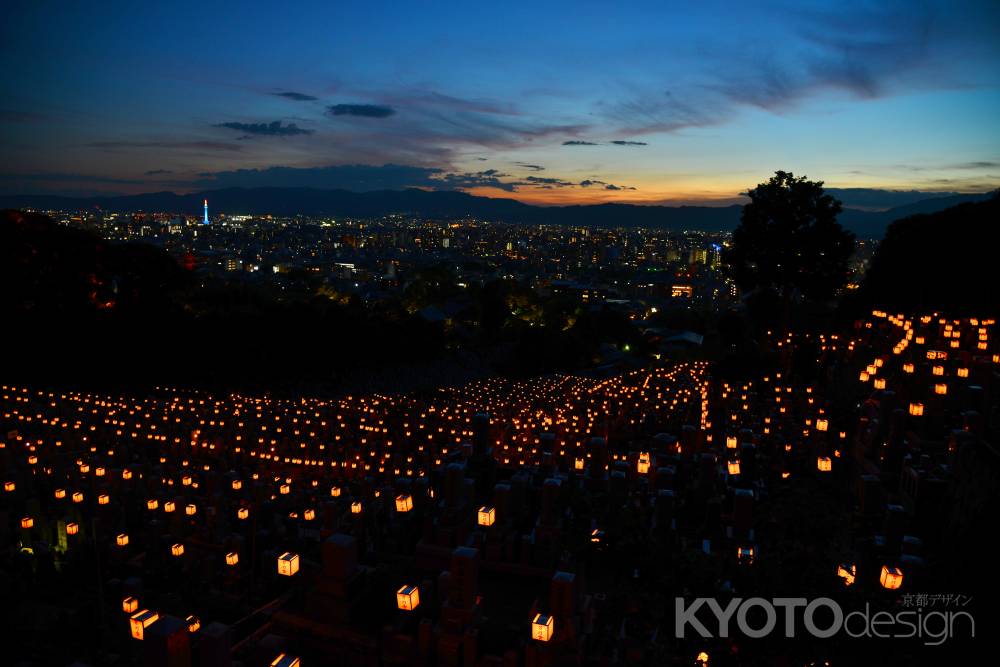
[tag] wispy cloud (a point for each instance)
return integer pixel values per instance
(272, 129)
(298, 97)
(629, 143)
(360, 110)
(577, 142)
(170, 145)
(158, 172)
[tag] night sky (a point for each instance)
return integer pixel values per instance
(546, 102)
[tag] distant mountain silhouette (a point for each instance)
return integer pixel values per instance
(310, 201)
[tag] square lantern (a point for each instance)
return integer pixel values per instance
(891, 577)
(103, 499)
(122, 540)
(963, 372)
(72, 528)
(733, 467)
(847, 573)
(309, 514)
(27, 522)
(242, 513)
(941, 389)
(731, 442)
(823, 464)
(60, 494)
(129, 605)
(486, 516)
(541, 627)
(126, 474)
(335, 491)
(916, 409)
(152, 504)
(285, 660)
(177, 550)
(194, 623)
(100, 472)
(186, 480)
(578, 464)
(285, 489)
(288, 564)
(9, 486)
(237, 485)
(404, 502)
(822, 424)
(142, 620)
(880, 383)
(191, 509)
(232, 558)
(77, 497)
(169, 506)
(408, 598)
(356, 507)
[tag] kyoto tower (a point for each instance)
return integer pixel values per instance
(205, 221)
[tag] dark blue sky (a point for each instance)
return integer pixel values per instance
(550, 102)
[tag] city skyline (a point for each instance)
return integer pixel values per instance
(548, 105)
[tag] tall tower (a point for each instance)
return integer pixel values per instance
(205, 221)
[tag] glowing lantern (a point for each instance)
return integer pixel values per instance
(823, 464)
(963, 372)
(863, 376)
(408, 598)
(9, 486)
(822, 424)
(284, 660)
(169, 506)
(126, 474)
(194, 623)
(99, 472)
(702, 659)
(404, 503)
(177, 550)
(731, 442)
(891, 577)
(84, 468)
(27, 522)
(288, 564)
(847, 573)
(78, 497)
(916, 409)
(152, 504)
(103, 499)
(937, 370)
(879, 383)
(541, 627)
(237, 485)
(907, 368)
(142, 620)
(941, 389)
(72, 529)
(191, 509)
(486, 516)
(734, 467)
(285, 489)
(578, 464)
(335, 491)
(232, 558)
(242, 513)
(129, 605)
(122, 540)
(186, 480)
(60, 494)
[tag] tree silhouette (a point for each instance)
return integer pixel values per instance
(789, 241)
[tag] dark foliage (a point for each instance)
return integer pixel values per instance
(789, 240)
(940, 261)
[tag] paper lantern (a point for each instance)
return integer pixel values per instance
(191, 509)
(177, 550)
(194, 623)
(152, 504)
(129, 605)
(408, 598)
(486, 516)
(103, 499)
(242, 513)
(72, 528)
(126, 474)
(285, 489)
(237, 485)
(27, 522)
(142, 620)
(822, 424)
(731, 442)
(309, 514)
(941, 389)
(891, 577)
(169, 506)
(404, 502)
(232, 558)
(916, 409)
(823, 464)
(186, 480)
(122, 540)
(847, 573)
(335, 491)
(963, 372)
(9, 486)
(542, 627)
(77, 497)
(284, 660)
(288, 564)
(879, 383)
(60, 494)
(734, 467)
